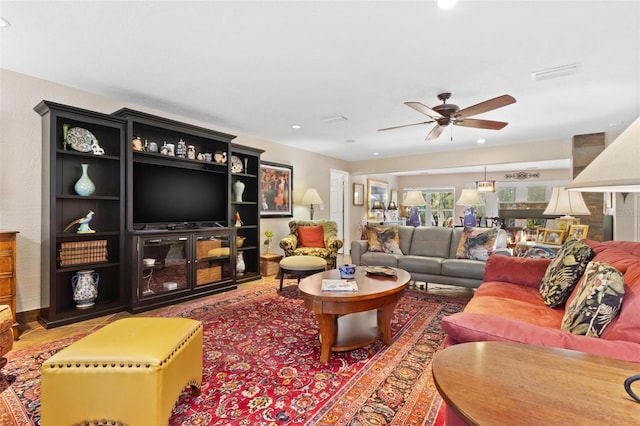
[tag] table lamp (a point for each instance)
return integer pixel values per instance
(565, 204)
(413, 200)
(392, 208)
(376, 208)
(470, 198)
(311, 197)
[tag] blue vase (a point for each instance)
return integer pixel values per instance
(84, 186)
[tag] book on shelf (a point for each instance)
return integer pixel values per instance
(339, 285)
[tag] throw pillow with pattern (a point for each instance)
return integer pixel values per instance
(383, 239)
(564, 272)
(598, 301)
(477, 243)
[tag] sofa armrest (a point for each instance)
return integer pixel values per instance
(289, 244)
(333, 243)
(358, 247)
(467, 327)
(516, 270)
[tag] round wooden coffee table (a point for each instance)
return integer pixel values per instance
(353, 319)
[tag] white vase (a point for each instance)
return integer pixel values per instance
(84, 186)
(238, 190)
(240, 266)
(85, 288)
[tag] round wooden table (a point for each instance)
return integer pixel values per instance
(487, 383)
(353, 319)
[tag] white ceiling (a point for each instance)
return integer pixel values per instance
(256, 68)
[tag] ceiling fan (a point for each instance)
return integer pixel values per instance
(446, 114)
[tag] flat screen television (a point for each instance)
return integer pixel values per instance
(175, 196)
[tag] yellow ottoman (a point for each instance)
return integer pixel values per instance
(129, 372)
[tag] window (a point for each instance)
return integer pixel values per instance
(440, 205)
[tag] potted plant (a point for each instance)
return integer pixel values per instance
(267, 241)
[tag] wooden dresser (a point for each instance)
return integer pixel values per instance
(8, 274)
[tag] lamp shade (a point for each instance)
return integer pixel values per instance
(392, 206)
(311, 196)
(414, 198)
(470, 197)
(377, 205)
(566, 203)
(616, 169)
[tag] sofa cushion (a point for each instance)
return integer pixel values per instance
(531, 310)
(564, 272)
(516, 270)
(372, 258)
(477, 243)
(311, 236)
(421, 264)
(405, 234)
(431, 241)
(464, 268)
(383, 239)
(597, 302)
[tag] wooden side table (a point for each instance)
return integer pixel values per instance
(269, 264)
(487, 383)
(8, 274)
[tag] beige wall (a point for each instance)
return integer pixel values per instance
(21, 165)
(20, 169)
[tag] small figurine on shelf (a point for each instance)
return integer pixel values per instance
(84, 224)
(65, 132)
(136, 144)
(238, 220)
(96, 148)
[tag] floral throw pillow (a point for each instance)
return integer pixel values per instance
(564, 272)
(477, 243)
(598, 301)
(383, 239)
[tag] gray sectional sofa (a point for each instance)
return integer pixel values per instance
(429, 255)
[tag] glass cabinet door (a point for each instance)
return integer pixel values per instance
(213, 258)
(164, 265)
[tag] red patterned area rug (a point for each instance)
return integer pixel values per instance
(261, 366)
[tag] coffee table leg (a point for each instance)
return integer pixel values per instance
(327, 334)
(384, 322)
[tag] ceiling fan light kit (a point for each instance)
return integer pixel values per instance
(445, 114)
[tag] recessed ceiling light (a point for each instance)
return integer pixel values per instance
(446, 4)
(296, 126)
(481, 140)
(4, 23)
(376, 153)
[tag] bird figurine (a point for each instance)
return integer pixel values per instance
(84, 224)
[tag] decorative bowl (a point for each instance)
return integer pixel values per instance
(347, 270)
(240, 241)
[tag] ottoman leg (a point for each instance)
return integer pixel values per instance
(3, 362)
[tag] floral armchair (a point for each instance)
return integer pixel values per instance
(292, 247)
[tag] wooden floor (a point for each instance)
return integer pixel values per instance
(33, 333)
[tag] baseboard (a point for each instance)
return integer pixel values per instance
(26, 317)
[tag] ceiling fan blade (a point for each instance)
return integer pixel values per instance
(480, 124)
(485, 106)
(406, 125)
(434, 133)
(424, 109)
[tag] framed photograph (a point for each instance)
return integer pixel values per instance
(540, 235)
(579, 231)
(553, 236)
(276, 189)
(358, 194)
(376, 191)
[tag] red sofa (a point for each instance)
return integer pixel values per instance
(507, 307)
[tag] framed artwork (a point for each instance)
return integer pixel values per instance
(553, 236)
(540, 235)
(579, 231)
(276, 189)
(358, 194)
(376, 190)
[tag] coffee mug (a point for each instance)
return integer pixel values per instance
(627, 386)
(347, 270)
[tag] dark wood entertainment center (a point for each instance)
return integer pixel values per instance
(170, 235)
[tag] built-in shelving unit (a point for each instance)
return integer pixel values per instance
(62, 167)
